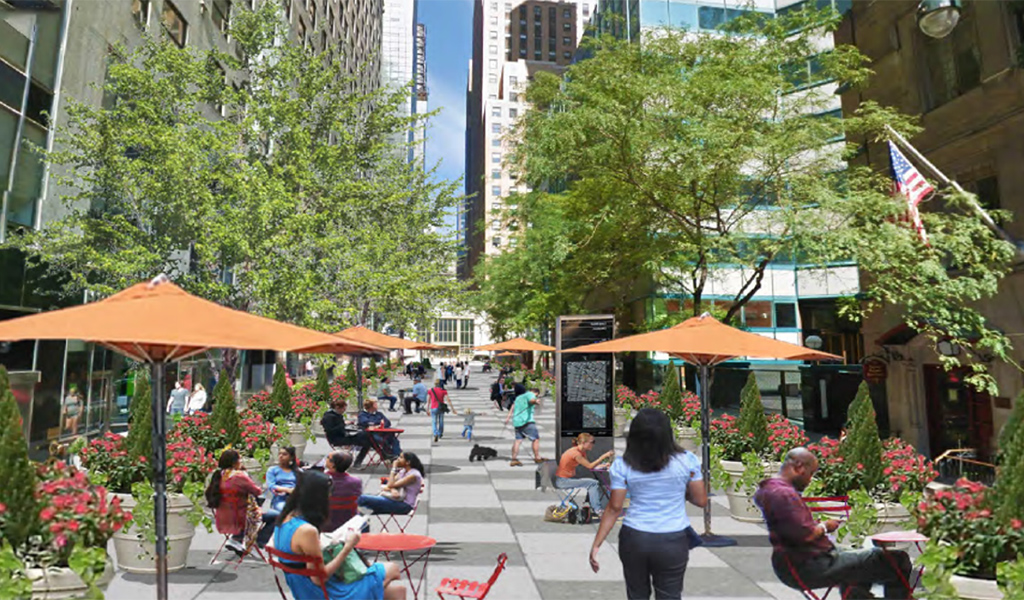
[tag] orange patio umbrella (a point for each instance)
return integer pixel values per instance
(704, 342)
(369, 336)
(517, 345)
(507, 354)
(157, 322)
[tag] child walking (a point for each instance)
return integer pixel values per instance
(467, 425)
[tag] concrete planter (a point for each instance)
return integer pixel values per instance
(892, 516)
(62, 582)
(317, 428)
(741, 504)
(296, 436)
(620, 418)
(689, 439)
(136, 555)
(256, 470)
(970, 588)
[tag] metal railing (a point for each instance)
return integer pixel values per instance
(963, 462)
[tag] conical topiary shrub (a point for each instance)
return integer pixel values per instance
(862, 445)
(17, 493)
(350, 374)
(323, 387)
(224, 418)
(1009, 484)
(140, 430)
(372, 369)
(281, 396)
(753, 424)
(671, 396)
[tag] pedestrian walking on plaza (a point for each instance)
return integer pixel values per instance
(439, 406)
(800, 544)
(197, 401)
(522, 420)
(465, 375)
(309, 367)
(178, 399)
(458, 376)
(656, 537)
(72, 409)
(467, 425)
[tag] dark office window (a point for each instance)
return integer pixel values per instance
(785, 314)
(175, 24)
(566, 26)
(522, 51)
(758, 313)
(953, 63)
(537, 43)
(140, 12)
(566, 41)
(222, 14)
(12, 82)
(988, 192)
(536, 55)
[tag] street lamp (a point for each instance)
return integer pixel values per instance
(813, 342)
(948, 348)
(937, 18)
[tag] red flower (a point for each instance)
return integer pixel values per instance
(47, 514)
(1016, 523)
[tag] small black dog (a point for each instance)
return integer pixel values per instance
(481, 453)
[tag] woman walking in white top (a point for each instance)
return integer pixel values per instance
(458, 375)
(197, 401)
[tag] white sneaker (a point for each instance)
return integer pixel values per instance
(235, 546)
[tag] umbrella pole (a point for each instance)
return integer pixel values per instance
(359, 381)
(710, 540)
(159, 475)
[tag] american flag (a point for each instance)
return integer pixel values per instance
(912, 185)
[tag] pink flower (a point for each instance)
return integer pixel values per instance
(47, 513)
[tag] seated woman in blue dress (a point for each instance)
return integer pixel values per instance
(298, 532)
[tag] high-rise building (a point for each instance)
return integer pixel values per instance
(511, 41)
(51, 50)
(403, 55)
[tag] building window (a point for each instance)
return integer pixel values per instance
(551, 55)
(513, 80)
(496, 143)
(446, 331)
(495, 127)
(551, 14)
(301, 28)
(493, 64)
(496, 191)
(175, 24)
(566, 41)
(496, 158)
(494, 21)
(496, 174)
(496, 112)
(566, 14)
(953, 63)
(785, 314)
(496, 225)
(567, 55)
(513, 113)
(514, 97)
(466, 338)
(140, 13)
(496, 242)
(493, 78)
(493, 34)
(536, 12)
(758, 313)
(522, 52)
(288, 10)
(494, 6)
(586, 10)
(221, 14)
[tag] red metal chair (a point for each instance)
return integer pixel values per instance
(820, 504)
(277, 557)
(386, 519)
(249, 549)
(464, 588)
(349, 504)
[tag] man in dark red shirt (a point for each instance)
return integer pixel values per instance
(802, 545)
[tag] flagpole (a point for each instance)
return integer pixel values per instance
(985, 217)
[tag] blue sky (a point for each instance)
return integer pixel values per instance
(449, 26)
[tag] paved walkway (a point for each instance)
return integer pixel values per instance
(479, 510)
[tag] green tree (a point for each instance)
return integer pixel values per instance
(140, 430)
(225, 412)
(862, 445)
(302, 192)
(671, 393)
(753, 423)
(281, 396)
(322, 387)
(17, 494)
(350, 373)
(693, 158)
(1010, 482)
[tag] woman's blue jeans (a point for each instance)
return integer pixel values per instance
(437, 418)
(379, 505)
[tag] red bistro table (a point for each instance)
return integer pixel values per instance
(386, 543)
(375, 445)
(887, 540)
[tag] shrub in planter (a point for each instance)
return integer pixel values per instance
(19, 478)
(625, 397)
(726, 437)
(1009, 486)
(280, 396)
(323, 387)
(349, 376)
(862, 445)
(671, 395)
(783, 436)
(224, 419)
(753, 424)
(198, 429)
(258, 435)
(140, 430)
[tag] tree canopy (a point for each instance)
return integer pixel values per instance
(692, 156)
(267, 181)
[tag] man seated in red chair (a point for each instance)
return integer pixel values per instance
(798, 541)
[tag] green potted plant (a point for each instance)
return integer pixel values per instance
(682, 408)
(123, 466)
(625, 403)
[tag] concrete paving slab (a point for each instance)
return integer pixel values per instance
(471, 532)
(514, 583)
(461, 495)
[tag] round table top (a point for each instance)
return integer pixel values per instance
(890, 537)
(395, 542)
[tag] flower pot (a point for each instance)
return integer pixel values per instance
(620, 418)
(62, 582)
(317, 428)
(971, 588)
(297, 437)
(741, 504)
(689, 439)
(892, 516)
(256, 470)
(136, 555)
